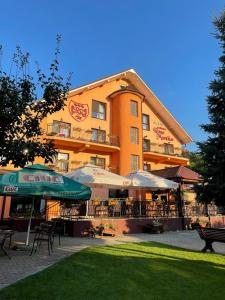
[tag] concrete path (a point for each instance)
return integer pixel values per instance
(22, 265)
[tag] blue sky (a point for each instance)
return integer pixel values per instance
(168, 42)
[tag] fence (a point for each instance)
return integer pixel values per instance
(123, 208)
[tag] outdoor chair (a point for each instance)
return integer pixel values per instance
(4, 236)
(43, 233)
(58, 228)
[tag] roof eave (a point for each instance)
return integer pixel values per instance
(156, 105)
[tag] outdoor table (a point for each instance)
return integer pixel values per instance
(4, 235)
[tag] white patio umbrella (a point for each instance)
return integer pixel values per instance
(145, 180)
(96, 177)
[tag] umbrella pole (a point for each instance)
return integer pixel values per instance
(87, 206)
(140, 202)
(29, 224)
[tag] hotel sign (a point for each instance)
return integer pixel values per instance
(161, 134)
(40, 177)
(78, 111)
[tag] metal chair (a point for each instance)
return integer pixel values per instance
(43, 233)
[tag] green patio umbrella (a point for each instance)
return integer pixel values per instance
(39, 180)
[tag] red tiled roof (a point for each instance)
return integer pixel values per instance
(178, 172)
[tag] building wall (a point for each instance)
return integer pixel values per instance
(118, 122)
(156, 123)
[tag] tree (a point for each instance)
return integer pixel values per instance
(213, 149)
(21, 114)
(197, 164)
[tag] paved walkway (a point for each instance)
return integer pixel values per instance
(22, 265)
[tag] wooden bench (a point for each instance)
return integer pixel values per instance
(210, 235)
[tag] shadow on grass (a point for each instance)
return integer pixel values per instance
(129, 271)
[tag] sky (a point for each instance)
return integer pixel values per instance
(169, 43)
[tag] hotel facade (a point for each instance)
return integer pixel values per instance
(117, 123)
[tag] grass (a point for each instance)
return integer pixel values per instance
(129, 271)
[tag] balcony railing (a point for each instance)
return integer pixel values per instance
(80, 134)
(159, 148)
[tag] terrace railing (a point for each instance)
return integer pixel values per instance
(160, 148)
(78, 133)
(119, 208)
(123, 208)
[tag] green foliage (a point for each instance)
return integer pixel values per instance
(197, 164)
(213, 149)
(21, 114)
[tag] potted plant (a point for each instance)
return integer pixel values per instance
(106, 229)
(200, 223)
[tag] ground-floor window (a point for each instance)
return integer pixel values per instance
(21, 206)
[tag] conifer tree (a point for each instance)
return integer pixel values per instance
(213, 149)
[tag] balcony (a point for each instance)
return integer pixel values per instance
(161, 154)
(81, 140)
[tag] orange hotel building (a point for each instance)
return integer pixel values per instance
(117, 123)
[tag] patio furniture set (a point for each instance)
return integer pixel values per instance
(46, 232)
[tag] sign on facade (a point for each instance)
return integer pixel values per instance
(78, 111)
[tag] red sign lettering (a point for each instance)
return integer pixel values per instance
(10, 189)
(160, 133)
(78, 111)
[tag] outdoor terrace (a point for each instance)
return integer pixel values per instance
(82, 140)
(165, 153)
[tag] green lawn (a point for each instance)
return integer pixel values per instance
(130, 271)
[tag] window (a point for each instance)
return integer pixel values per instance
(168, 149)
(61, 128)
(134, 135)
(146, 145)
(98, 110)
(145, 122)
(62, 161)
(134, 163)
(134, 108)
(21, 205)
(98, 161)
(98, 135)
(147, 167)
